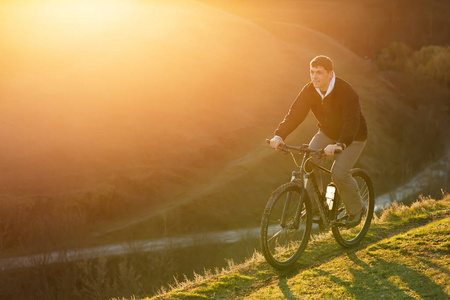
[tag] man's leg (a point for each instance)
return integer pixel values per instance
(319, 141)
(345, 183)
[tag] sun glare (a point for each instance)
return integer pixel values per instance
(75, 17)
(49, 22)
(52, 30)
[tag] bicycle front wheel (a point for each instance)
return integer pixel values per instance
(283, 239)
(350, 237)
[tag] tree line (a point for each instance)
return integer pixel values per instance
(430, 62)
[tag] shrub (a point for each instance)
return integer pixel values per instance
(430, 62)
(433, 62)
(396, 57)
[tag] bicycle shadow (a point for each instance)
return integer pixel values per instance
(365, 286)
(284, 288)
(361, 283)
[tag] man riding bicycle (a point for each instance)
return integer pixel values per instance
(342, 126)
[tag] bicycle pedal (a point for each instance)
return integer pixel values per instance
(316, 219)
(338, 224)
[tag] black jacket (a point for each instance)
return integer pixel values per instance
(339, 115)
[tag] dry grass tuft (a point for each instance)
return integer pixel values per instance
(422, 208)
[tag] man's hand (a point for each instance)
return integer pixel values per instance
(329, 150)
(276, 142)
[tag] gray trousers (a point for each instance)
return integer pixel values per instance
(340, 171)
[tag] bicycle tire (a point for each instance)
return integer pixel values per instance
(282, 245)
(350, 237)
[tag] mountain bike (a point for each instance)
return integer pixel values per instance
(287, 219)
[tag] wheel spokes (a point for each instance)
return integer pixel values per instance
(276, 234)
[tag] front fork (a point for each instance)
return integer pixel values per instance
(294, 178)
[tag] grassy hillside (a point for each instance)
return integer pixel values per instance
(406, 254)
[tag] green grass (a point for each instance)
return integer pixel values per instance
(406, 255)
(397, 268)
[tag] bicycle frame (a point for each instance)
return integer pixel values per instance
(302, 177)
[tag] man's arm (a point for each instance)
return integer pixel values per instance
(296, 115)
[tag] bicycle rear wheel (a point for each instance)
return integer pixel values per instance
(282, 242)
(350, 237)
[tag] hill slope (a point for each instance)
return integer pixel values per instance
(405, 254)
(154, 114)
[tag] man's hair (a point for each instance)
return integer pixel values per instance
(322, 61)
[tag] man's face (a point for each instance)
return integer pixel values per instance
(320, 77)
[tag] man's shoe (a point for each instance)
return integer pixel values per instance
(354, 220)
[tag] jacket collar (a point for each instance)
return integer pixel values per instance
(330, 87)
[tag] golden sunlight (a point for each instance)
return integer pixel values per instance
(54, 21)
(48, 22)
(93, 86)
(42, 35)
(82, 13)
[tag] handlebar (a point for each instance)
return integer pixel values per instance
(303, 148)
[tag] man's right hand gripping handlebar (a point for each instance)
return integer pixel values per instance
(276, 142)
